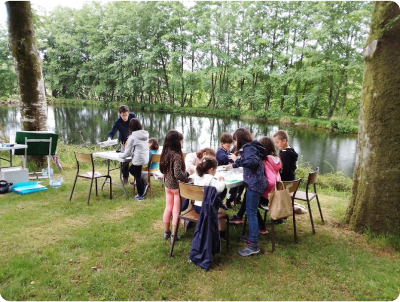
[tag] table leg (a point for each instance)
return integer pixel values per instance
(121, 179)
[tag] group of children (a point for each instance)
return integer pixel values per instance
(259, 160)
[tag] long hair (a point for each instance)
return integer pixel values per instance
(205, 165)
(242, 136)
(153, 144)
(134, 125)
(269, 146)
(172, 144)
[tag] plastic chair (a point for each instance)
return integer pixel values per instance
(308, 196)
(193, 192)
(93, 175)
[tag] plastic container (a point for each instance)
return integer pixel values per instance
(56, 182)
(44, 172)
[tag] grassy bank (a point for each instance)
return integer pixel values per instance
(54, 249)
(340, 125)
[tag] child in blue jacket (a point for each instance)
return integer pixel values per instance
(251, 155)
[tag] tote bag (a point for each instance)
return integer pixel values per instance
(280, 204)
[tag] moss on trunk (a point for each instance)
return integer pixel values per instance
(375, 200)
(27, 66)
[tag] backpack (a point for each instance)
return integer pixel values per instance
(271, 176)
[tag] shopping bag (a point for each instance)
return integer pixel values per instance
(280, 204)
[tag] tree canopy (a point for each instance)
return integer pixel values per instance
(302, 58)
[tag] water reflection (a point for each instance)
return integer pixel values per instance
(92, 124)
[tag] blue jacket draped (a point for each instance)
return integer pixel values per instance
(206, 242)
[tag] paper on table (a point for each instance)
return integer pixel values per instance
(108, 143)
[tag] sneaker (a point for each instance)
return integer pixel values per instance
(250, 249)
(132, 183)
(222, 237)
(279, 221)
(167, 235)
(138, 197)
(236, 220)
(146, 188)
(126, 180)
(177, 238)
(263, 231)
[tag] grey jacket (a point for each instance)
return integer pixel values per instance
(137, 147)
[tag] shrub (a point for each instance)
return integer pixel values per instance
(285, 120)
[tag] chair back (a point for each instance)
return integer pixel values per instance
(155, 158)
(191, 192)
(84, 157)
(313, 177)
(292, 185)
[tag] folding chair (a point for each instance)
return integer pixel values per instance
(93, 175)
(193, 192)
(308, 196)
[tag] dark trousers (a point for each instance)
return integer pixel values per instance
(136, 171)
(125, 170)
(234, 194)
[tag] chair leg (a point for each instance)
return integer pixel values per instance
(90, 191)
(265, 217)
(273, 235)
(97, 192)
(73, 187)
(244, 225)
(227, 233)
(175, 232)
(320, 212)
(110, 186)
(151, 193)
(312, 221)
(294, 226)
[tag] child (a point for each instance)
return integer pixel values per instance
(172, 166)
(153, 149)
(206, 170)
(121, 125)
(287, 154)
(272, 164)
(223, 159)
(137, 148)
(192, 159)
(252, 153)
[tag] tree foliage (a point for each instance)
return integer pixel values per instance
(302, 58)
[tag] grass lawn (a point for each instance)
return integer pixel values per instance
(54, 249)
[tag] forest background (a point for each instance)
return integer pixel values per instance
(297, 58)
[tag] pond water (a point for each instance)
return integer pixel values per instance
(91, 125)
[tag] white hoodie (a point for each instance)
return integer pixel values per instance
(137, 147)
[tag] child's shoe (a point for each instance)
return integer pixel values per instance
(263, 231)
(138, 197)
(176, 239)
(250, 249)
(167, 235)
(236, 220)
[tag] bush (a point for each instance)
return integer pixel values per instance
(285, 120)
(343, 126)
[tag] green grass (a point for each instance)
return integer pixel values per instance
(54, 249)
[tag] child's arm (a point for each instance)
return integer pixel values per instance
(248, 159)
(218, 184)
(128, 148)
(179, 173)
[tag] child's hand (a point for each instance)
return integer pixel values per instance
(221, 178)
(232, 157)
(108, 139)
(228, 167)
(191, 171)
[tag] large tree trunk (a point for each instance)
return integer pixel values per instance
(27, 66)
(375, 202)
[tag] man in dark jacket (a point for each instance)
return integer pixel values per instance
(121, 125)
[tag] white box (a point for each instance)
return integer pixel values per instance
(14, 175)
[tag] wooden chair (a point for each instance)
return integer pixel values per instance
(93, 175)
(308, 196)
(155, 158)
(193, 192)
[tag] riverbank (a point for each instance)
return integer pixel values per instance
(56, 249)
(339, 125)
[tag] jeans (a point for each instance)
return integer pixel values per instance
(242, 210)
(252, 200)
(136, 171)
(185, 204)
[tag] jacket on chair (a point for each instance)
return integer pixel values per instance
(206, 242)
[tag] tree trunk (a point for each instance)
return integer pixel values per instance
(375, 203)
(27, 66)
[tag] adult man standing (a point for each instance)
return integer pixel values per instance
(121, 125)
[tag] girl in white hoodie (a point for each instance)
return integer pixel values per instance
(138, 148)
